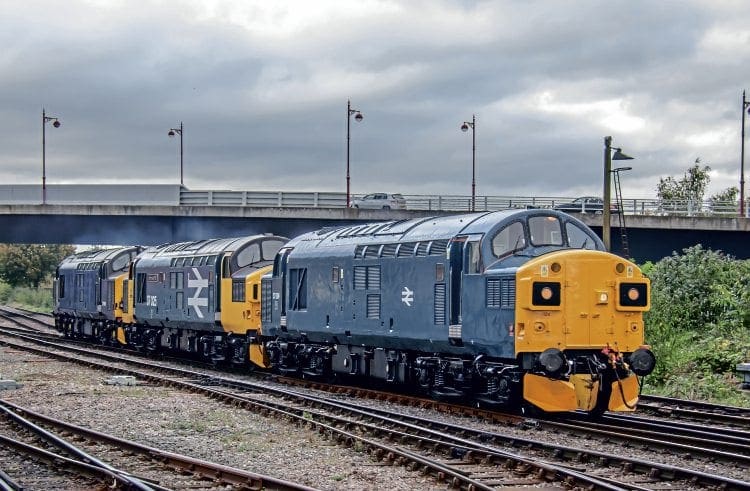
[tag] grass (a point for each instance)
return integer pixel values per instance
(33, 299)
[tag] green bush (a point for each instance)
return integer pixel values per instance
(699, 325)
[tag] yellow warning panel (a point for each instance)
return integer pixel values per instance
(587, 391)
(548, 394)
(624, 394)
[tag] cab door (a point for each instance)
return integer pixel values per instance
(455, 271)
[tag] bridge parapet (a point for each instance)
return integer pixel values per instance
(176, 195)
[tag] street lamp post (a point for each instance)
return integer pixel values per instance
(179, 131)
(56, 124)
(358, 117)
(465, 127)
(608, 158)
(745, 105)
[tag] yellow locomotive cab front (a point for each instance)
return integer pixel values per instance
(240, 310)
(579, 314)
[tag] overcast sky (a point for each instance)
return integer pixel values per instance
(262, 90)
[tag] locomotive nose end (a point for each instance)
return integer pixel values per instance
(642, 361)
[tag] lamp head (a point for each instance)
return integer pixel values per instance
(618, 155)
(464, 127)
(56, 124)
(171, 133)
(358, 117)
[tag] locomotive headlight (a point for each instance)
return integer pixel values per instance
(633, 294)
(545, 293)
(642, 361)
(552, 361)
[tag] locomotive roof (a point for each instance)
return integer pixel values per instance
(204, 247)
(418, 229)
(95, 255)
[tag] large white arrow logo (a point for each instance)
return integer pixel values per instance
(196, 300)
(407, 296)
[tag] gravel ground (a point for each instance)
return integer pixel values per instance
(194, 425)
(203, 428)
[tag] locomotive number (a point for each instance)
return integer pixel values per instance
(151, 300)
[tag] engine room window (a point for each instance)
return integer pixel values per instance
(545, 231)
(509, 239)
(61, 287)
(578, 238)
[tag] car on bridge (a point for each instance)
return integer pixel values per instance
(586, 204)
(380, 201)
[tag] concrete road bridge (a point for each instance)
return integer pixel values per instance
(153, 214)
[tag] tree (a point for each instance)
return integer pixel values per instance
(726, 200)
(29, 265)
(691, 188)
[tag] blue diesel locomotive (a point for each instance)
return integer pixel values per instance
(511, 307)
(88, 292)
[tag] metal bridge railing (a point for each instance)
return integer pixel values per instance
(176, 195)
(285, 199)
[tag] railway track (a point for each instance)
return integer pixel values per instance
(105, 460)
(463, 458)
(697, 411)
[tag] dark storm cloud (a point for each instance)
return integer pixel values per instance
(262, 92)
